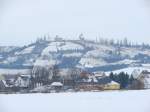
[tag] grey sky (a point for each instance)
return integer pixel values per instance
(22, 21)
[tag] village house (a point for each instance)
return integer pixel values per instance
(99, 74)
(144, 77)
(22, 81)
(112, 86)
(10, 80)
(97, 82)
(108, 84)
(88, 84)
(56, 85)
(85, 75)
(11, 83)
(6, 83)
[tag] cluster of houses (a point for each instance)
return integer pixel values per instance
(97, 81)
(14, 82)
(88, 82)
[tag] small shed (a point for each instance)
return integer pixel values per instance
(56, 85)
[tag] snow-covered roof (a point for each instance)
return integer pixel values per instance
(146, 72)
(56, 84)
(113, 82)
(99, 74)
(5, 84)
(24, 77)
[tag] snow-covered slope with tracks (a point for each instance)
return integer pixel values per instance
(87, 55)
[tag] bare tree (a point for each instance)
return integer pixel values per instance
(137, 84)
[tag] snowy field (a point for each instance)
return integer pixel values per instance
(14, 71)
(116, 101)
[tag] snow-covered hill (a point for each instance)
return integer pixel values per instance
(84, 54)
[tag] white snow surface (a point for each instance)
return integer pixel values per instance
(91, 62)
(12, 59)
(126, 61)
(15, 71)
(41, 62)
(76, 54)
(110, 101)
(131, 52)
(26, 50)
(9, 60)
(113, 82)
(71, 46)
(98, 53)
(58, 46)
(56, 84)
(50, 48)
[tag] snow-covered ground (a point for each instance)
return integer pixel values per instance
(73, 55)
(91, 62)
(110, 101)
(15, 71)
(55, 46)
(40, 62)
(26, 50)
(130, 70)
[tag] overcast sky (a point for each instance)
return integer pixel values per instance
(22, 21)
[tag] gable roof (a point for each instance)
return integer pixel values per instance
(113, 82)
(56, 84)
(145, 72)
(24, 77)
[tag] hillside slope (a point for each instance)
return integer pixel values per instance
(88, 55)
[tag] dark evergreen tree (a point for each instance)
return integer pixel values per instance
(122, 78)
(111, 76)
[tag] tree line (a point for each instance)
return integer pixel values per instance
(126, 81)
(103, 41)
